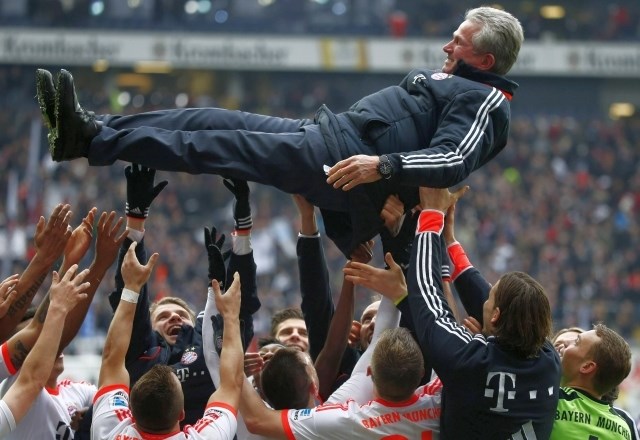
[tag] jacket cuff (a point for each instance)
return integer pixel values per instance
(430, 220)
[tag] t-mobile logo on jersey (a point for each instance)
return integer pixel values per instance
(504, 381)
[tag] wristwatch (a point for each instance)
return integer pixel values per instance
(385, 168)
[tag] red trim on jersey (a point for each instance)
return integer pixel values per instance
(458, 258)
(108, 388)
(432, 387)
(149, 436)
(222, 405)
(52, 391)
(430, 220)
(410, 401)
(151, 356)
(7, 359)
(284, 416)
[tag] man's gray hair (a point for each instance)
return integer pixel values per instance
(500, 34)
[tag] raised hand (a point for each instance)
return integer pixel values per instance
(140, 190)
(392, 214)
(67, 291)
(389, 282)
(253, 363)
(440, 198)
(363, 253)
(80, 239)
(52, 235)
(7, 293)
(228, 304)
(110, 238)
(134, 274)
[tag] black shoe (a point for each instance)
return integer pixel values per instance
(46, 92)
(75, 127)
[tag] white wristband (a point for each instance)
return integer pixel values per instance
(129, 295)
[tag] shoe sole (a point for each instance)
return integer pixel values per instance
(46, 97)
(63, 88)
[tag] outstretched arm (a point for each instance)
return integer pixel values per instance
(135, 275)
(110, 237)
(232, 355)
(65, 293)
(50, 240)
(328, 361)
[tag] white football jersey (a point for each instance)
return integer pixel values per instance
(416, 418)
(112, 419)
(51, 412)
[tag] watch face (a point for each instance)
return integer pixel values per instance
(385, 168)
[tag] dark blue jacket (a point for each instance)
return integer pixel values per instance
(435, 128)
(488, 391)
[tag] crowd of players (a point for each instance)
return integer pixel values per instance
(586, 164)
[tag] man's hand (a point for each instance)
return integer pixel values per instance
(307, 214)
(440, 198)
(389, 282)
(472, 324)
(448, 231)
(109, 239)
(228, 304)
(354, 171)
(364, 252)
(253, 363)
(393, 214)
(134, 274)
(7, 293)
(140, 190)
(80, 240)
(354, 334)
(69, 290)
(51, 236)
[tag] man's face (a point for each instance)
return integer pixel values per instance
(167, 319)
(576, 354)
(368, 324)
(564, 340)
(461, 48)
(292, 332)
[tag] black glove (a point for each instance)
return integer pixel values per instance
(217, 270)
(241, 206)
(140, 190)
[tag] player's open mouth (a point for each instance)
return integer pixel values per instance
(173, 331)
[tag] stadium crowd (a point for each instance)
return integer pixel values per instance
(586, 20)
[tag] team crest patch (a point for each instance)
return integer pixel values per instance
(188, 357)
(440, 75)
(119, 399)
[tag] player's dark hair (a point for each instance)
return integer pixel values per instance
(156, 400)
(286, 381)
(525, 314)
(282, 315)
